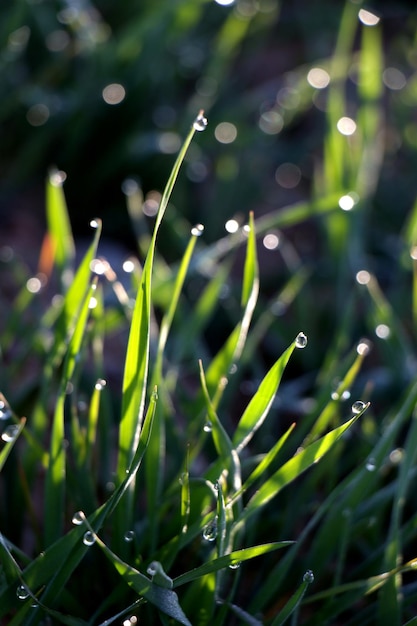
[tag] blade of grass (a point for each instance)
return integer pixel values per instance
(227, 560)
(294, 467)
(53, 567)
(59, 227)
(55, 475)
(260, 404)
(155, 458)
(293, 603)
(137, 356)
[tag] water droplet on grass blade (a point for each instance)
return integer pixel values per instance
(197, 230)
(10, 433)
(358, 406)
(200, 122)
(234, 565)
(210, 531)
(100, 384)
(95, 223)
(88, 538)
(370, 465)
(5, 413)
(208, 427)
(78, 518)
(301, 341)
(22, 592)
(308, 576)
(129, 536)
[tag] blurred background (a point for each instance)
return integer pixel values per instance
(106, 91)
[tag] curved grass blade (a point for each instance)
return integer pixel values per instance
(165, 599)
(260, 404)
(294, 467)
(232, 349)
(55, 475)
(137, 356)
(233, 559)
(155, 458)
(59, 227)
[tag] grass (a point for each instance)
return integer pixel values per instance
(258, 469)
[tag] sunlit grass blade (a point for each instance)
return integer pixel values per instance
(227, 560)
(155, 458)
(294, 467)
(55, 475)
(331, 409)
(227, 356)
(262, 466)
(137, 356)
(260, 404)
(59, 227)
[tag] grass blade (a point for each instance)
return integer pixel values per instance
(294, 467)
(260, 404)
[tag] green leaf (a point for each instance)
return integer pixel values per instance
(294, 467)
(260, 404)
(233, 558)
(291, 605)
(59, 227)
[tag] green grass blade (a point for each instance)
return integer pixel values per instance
(137, 356)
(155, 458)
(55, 475)
(294, 467)
(59, 227)
(227, 560)
(260, 404)
(263, 466)
(53, 567)
(220, 366)
(165, 599)
(292, 604)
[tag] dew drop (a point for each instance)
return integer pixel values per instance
(94, 223)
(200, 122)
(308, 576)
(345, 395)
(88, 538)
(22, 592)
(370, 465)
(197, 230)
(10, 433)
(78, 518)
(358, 406)
(5, 413)
(210, 531)
(129, 536)
(335, 396)
(100, 384)
(152, 568)
(208, 427)
(363, 347)
(234, 565)
(301, 341)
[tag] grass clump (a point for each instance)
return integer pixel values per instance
(196, 449)
(142, 509)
